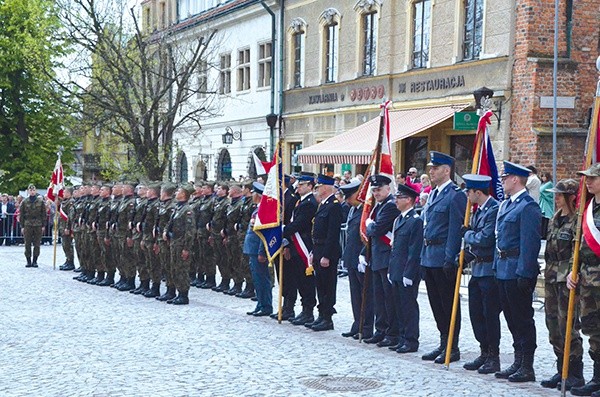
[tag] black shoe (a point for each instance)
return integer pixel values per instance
(454, 356)
(262, 313)
(247, 294)
(254, 299)
(357, 336)
(311, 324)
(552, 382)
(387, 342)
(491, 365)
(209, 283)
(349, 334)
(305, 316)
(407, 349)
(477, 362)
(78, 270)
(285, 315)
(374, 339)
(253, 312)
(153, 292)
(523, 374)
(325, 325)
(512, 369)
(106, 282)
(587, 389)
(168, 295)
(432, 355)
(182, 299)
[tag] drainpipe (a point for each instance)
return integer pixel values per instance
(273, 39)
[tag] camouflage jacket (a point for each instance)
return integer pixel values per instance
(181, 228)
(219, 217)
(204, 214)
(141, 205)
(150, 221)
(65, 205)
(559, 247)
(234, 213)
(33, 213)
(92, 214)
(165, 212)
(115, 203)
(248, 208)
(103, 217)
(78, 213)
(589, 262)
(125, 215)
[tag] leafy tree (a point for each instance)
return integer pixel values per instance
(33, 121)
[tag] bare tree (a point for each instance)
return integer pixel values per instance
(139, 87)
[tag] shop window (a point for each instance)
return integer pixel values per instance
(415, 154)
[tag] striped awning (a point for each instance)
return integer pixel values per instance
(356, 146)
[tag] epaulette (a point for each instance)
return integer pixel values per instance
(415, 215)
(457, 188)
(335, 201)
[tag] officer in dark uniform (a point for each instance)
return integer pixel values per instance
(379, 230)
(298, 244)
(404, 269)
(443, 217)
(518, 231)
(484, 299)
(356, 279)
(326, 250)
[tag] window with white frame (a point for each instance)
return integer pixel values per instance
(298, 56)
(202, 79)
(369, 23)
(264, 64)
(243, 70)
(421, 32)
(225, 74)
(473, 29)
(331, 52)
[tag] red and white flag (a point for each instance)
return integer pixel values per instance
(381, 163)
(56, 188)
(262, 167)
(591, 234)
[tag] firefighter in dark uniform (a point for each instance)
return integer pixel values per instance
(326, 250)
(484, 298)
(443, 217)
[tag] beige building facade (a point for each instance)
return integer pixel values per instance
(345, 58)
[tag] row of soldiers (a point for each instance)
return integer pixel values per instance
(159, 231)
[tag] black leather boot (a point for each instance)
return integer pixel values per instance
(325, 325)
(525, 373)
(28, 262)
(478, 362)
(108, 280)
(128, 285)
(209, 283)
(154, 291)
(120, 282)
(224, 286)
(454, 356)
(236, 289)
(182, 299)
(575, 377)
(200, 280)
(306, 316)
(512, 369)
(555, 379)
(248, 292)
(169, 294)
(594, 384)
(99, 277)
(492, 363)
(432, 355)
(313, 323)
(34, 262)
(144, 286)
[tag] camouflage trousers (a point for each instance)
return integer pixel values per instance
(244, 260)
(206, 255)
(220, 256)
(93, 251)
(180, 269)
(32, 236)
(116, 254)
(234, 259)
(556, 307)
(103, 250)
(127, 257)
(589, 300)
(78, 246)
(111, 252)
(152, 262)
(67, 246)
(164, 257)
(140, 260)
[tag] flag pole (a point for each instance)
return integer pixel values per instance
(56, 220)
(377, 161)
(281, 214)
(474, 168)
(575, 269)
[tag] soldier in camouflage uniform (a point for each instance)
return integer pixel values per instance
(215, 226)
(76, 215)
(149, 240)
(102, 224)
(124, 235)
(113, 249)
(139, 254)
(166, 209)
(64, 226)
(231, 240)
(248, 207)
(92, 239)
(82, 249)
(559, 246)
(181, 233)
(33, 218)
(196, 273)
(589, 286)
(204, 215)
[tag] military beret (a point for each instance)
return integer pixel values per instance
(169, 187)
(438, 158)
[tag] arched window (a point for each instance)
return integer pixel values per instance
(330, 20)
(260, 153)
(182, 168)
(224, 166)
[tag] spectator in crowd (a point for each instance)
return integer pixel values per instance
(400, 178)
(546, 201)
(412, 175)
(533, 184)
(360, 177)
(6, 220)
(347, 176)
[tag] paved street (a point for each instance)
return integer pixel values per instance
(59, 337)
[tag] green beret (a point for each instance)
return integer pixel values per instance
(169, 187)
(188, 187)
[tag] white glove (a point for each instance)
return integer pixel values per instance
(362, 264)
(368, 222)
(389, 278)
(406, 281)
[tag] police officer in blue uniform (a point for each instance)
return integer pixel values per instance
(379, 230)
(484, 299)
(298, 244)
(404, 268)
(443, 216)
(326, 250)
(356, 279)
(518, 231)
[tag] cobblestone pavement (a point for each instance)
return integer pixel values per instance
(59, 337)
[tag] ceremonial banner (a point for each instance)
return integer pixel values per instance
(487, 162)
(591, 234)
(262, 167)
(268, 224)
(56, 182)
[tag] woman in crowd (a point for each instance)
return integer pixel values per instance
(546, 201)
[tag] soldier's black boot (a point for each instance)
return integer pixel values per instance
(575, 377)
(236, 289)
(28, 262)
(248, 292)
(154, 291)
(120, 282)
(143, 288)
(432, 355)
(209, 283)
(193, 279)
(325, 325)
(169, 294)
(305, 316)
(182, 299)
(92, 280)
(99, 277)
(593, 385)
(287, 311)
(512, 369)
(108, 280)
(492, 363)
(34, 263)
(554, 380)
(200, 281)
(224, 286)
(478, 362)
(129, 284)
(525, 373)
